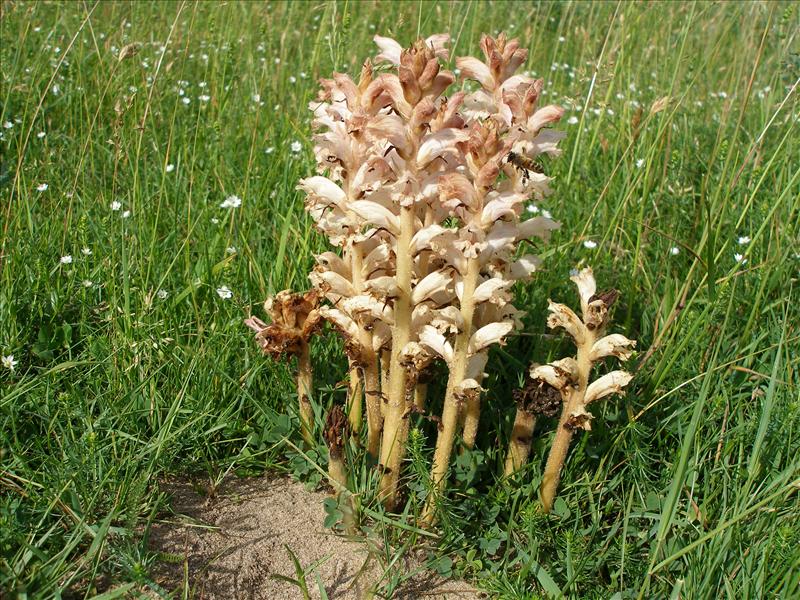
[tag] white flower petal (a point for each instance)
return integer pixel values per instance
(489, 288)
(390, 49)
(612, 345)
(429, 285)
(324, 188)
(563, 316)
(472, 68)
(537, 227)
(587, 287)
(439, 143)
(430, 337)
(610, 383)
(376, 214)
(487, 335)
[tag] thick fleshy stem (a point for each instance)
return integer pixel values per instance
(395, 426)
(454, 397)
(521, 437)
(420, 396)
(304, 387)
(355, 402)
(372, 392)
(573, 399)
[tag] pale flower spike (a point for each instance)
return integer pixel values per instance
(570, 377)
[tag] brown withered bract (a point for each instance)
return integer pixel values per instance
(335, 432)
(295, 319)
(538, 398)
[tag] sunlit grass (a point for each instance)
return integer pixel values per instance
(131, 365)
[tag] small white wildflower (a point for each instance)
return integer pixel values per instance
(41, 134)
(8, 125)
(562, 39)
(204, 97)
(186, 100)
(742, 240)
(277, 61)
(610, 112)
(231, 201)
(639, 163)
(41, 187)
(270, 150)
(162, 294)
(9, 362)
(573, 120)
(116, 205)
(620, 96)
(296, 146)
(66, 259)
(674, 251)
(303, 75)
(87, 283)
(126, 214)
(739, 258)
(590, 244)
(215, 220)
(546, 214)
(597, 111)
(256, 98)
(181, 92)
(202, 85)
(86, 251)
(55, 89)
(170, 168)
(722, 95)
(532, 208)
(224, 292)
(292, 79)
(230, 250)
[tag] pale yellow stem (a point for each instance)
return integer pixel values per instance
(395, 426)
(304, 387)
(521, 437)
(386, 360)
(374, 413)
(452, 402)
(563, 437)
(355, 402)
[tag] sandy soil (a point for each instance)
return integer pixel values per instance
(231, 545)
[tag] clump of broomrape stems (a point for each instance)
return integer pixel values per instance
(422, 195)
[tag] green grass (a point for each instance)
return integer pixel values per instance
(687, 487)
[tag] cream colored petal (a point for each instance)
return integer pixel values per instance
(376, 214)
(610, 383)
(493, 333)
(586, 287)
(540, 227)
(489, 288)
(431, 338)
(439, 41)
(381, 335)
(472, 68)
(524, 267)
(563, 316)
(476, 365)
(429, 285)
(331, 261)
(390, 49)
(335, 283)
(422, 239)
(382, 287)
(580, 419)
(612, 345)
(323, 188)
(560, 374)
(343, 322)
(448, 320)
(544, 116)
(438, 144)
(497, 210)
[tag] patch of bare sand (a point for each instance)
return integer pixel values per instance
(232, 544)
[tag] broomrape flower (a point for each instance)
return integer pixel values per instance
(224, 292)
(9, 362)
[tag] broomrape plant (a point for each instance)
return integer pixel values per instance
(421, 195)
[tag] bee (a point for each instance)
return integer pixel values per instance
(524, 164)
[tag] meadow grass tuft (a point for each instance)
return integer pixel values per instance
(679, 184)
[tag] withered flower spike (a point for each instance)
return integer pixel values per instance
(295, 318)
(536, 398)
(577, 391)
